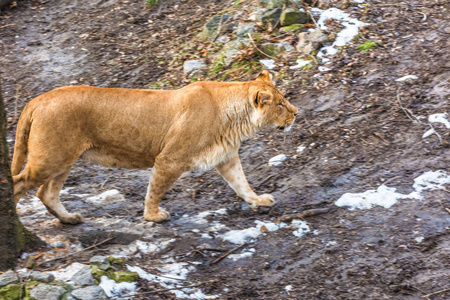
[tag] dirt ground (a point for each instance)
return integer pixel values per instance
(360, 127)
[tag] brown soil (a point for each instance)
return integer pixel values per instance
(359, 126)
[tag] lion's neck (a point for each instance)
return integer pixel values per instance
(239, 121)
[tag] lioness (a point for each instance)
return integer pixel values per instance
(199, 126)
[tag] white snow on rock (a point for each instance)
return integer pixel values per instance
(243, 235)
(268, 63)
(173, 275)
(65, 274)
(103, 197)
(288, 288)
(428, 133)
(414, 77)
(114, 289)
(277, 160)
(147, 247)
(33, 205)
(419, 239)
(300, 64)
(351, 29)
(387, 197)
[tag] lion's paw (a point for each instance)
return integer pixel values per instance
(72, 219)
(160, 216)
(263, 200)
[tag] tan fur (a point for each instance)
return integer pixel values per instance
(199, 126)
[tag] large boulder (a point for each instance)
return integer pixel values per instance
(42, 277)
(8, 278)
(311, 40)
(272, 17)
(290, 16)
(89, 293)
(47, 292)
(83, 277)
(276, 49)
(210, 29)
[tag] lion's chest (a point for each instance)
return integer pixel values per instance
(214, 155)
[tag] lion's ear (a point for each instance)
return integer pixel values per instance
(265, 76)
(261, 98)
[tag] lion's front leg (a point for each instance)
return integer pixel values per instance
(163, 176)
(232, 172)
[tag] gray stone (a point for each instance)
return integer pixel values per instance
(231, 51)
(275, 49)
(100, 261)
(43, 277)
(290, 16)
(243, 29)
(210, 29)
(272, 17)
(270, 4)
(8, 278)
(190, 66)
(311, 40)
(47, 292)
(89, 293)
(83, 277)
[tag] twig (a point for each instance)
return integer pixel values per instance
(435, 132)
(228, 253)
(166, 290)
(82, 250)
(7, 25)
(256, 47)
(218, 29)
(305, 213)
(435, 293)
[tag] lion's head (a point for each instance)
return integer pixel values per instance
(271, 105)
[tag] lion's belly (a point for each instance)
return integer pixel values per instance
(116, 158)
(213, 156)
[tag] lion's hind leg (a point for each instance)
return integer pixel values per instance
(49, 195)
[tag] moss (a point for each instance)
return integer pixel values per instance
(292, 27)
(368, 45)
(11, 292)
(116, 261)
(125, 276)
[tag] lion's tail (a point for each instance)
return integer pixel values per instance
(21, 144)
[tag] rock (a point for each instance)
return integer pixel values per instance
(101, 261)
(125, 276)
(8, 278)
(223, 39)
(275, 49)
(89, 293)
(98, 273)
(190, 66)
(47, 292)
(30, 262)
(291, 27)
(243, 29)
(290, 16)
(272, 17)
(311, 40)
(83, 277)
(270, 4)
(116, 261)
(210, 29)
(231, 51)
(10, 292)
(43, 277)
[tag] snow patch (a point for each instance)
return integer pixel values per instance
(419, 239)
(114, 289)
(65, 274)
(243, 235)
(414, 77)
(277, 160)
(300, 64)
(439, 118)
(173, 275)
(387, 197)
(268, 63)
(101, 198)
(288, 288)
(147, 247)
(300, 149)
(351, 29)
(244, 254)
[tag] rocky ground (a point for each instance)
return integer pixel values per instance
(358, 129)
